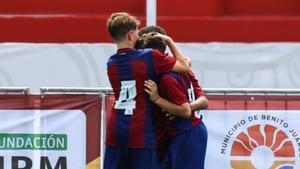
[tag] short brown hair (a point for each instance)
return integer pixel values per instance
(119, 24)
(150, 41)
(149, 29)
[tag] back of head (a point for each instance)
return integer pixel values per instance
(147, 39)
(150, 41)
(150, 29)
(119, 24)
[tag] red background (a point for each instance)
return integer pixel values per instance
(186, 21)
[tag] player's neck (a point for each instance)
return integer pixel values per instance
(125, 44)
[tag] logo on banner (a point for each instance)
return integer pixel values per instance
(269, 148)
(262, 144)
(46, 141)
(24, 141)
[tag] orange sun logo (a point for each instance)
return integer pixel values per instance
(262, 147)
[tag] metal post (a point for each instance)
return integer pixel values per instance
(103, 129)
(151, 12)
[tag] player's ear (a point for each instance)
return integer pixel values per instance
(130, 35)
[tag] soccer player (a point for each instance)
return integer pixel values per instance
(188, 143)
(147, 40)
(189, 136)
(130, 140)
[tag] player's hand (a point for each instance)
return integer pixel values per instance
(170, 116)
(165, 38)
(151, 89)
(189, 61)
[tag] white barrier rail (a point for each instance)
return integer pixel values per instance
(228, 91)
(71, 90)
(209, 91)
(14, 90)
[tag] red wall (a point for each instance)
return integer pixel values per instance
(231, 20)
(185, 21)
(61, 20)
(263, 7)
(80, 7)
(190, 8)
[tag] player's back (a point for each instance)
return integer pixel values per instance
(188, 136)
(174, 86)
(130, 122)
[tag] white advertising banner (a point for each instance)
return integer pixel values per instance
(216, 65)
(50, 131)
(252, 139)
(42, 139)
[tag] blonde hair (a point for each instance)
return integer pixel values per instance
(120, 23)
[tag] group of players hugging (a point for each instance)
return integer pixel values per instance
(155, 121)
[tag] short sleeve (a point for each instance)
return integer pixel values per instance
(162, 63)
(197, 88)
(171, 90)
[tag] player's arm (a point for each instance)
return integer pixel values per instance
(201, 101)
(182, 110)
(199, 104)
(181, 65)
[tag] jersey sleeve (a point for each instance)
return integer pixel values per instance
(162, 63)
(197, 88)
(172, 90)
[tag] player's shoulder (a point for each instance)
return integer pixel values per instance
(143, 53)
(170, 76)
(146, 50)
(153, 52)
(111, 59)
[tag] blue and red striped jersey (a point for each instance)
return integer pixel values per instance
(175, 88)
(195, 87)
(161, 121)
(130, 122)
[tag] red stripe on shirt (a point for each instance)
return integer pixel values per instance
(111, 116)
(137, 124)
(162, 63)
(197, 89)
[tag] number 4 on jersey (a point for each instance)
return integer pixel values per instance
(126, 98)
